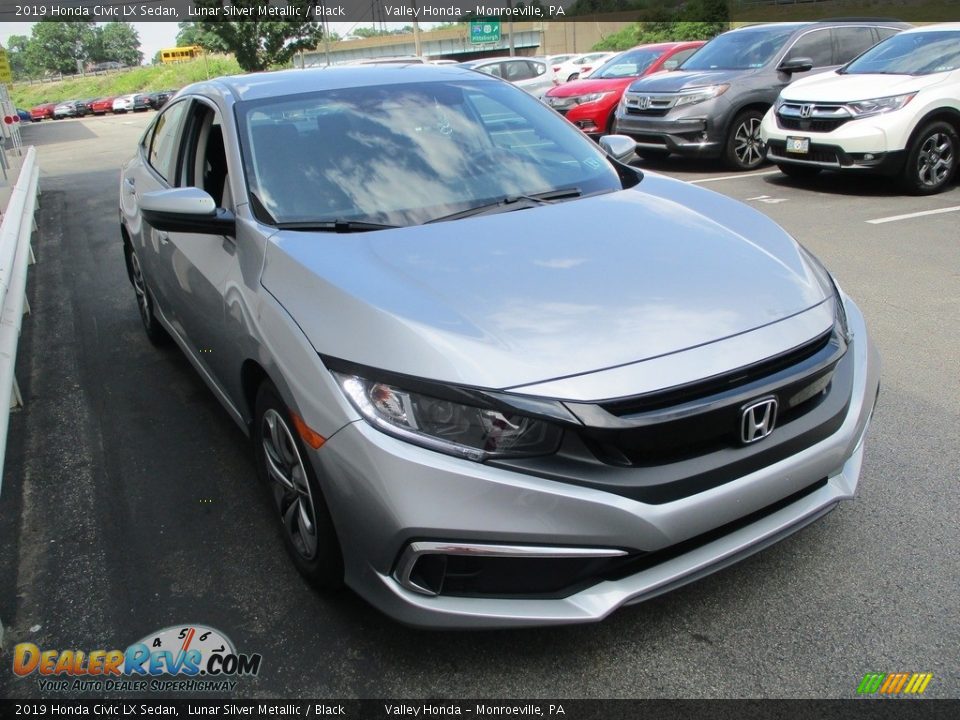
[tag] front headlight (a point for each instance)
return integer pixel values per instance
(466, 431)
(700, 94)
(877, 106)
(589, 97)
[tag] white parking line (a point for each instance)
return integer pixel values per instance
(894, 218)
(734, 177)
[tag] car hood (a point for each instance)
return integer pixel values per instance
(834, 87)
(582, 87)
(503, 300)
(679, 80)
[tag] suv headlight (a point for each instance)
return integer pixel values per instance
(466, 431)
(700, 94)
(862, 108)
(589, 97)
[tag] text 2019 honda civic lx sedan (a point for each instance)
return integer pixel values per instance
(493, 376)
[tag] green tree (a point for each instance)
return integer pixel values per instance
(17, 54)
(61, 46)
(259, 44)
(119, 42)
(192, 34)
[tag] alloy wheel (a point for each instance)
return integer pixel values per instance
(746, 142)
(935, 160)
(140, 288)
(291, 489)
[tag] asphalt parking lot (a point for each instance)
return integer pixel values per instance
(129, 501)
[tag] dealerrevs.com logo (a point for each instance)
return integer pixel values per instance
(178, 658)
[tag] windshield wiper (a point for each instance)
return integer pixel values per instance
(337, 226)
(508, 201)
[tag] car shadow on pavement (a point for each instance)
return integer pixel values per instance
(51, 132)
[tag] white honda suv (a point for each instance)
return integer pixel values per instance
(895, 109)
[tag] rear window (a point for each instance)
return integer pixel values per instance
(740, 50)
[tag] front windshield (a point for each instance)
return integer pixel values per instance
(404, 154)
(739, 50)
(628, 64)
(920, 53)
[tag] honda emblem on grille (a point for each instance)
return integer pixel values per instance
(806, 111)
(758, 419)
(644, 102)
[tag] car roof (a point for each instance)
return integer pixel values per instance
(939, 27)
(292, 82)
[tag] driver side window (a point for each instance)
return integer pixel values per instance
(205, 157)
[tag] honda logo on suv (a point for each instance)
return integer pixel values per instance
(806, 111)
(758, 419)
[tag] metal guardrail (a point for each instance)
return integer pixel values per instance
(16, 254)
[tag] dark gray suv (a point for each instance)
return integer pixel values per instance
(712, 105)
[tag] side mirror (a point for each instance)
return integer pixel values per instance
(189, 210)
(620, 147)
(796, 65)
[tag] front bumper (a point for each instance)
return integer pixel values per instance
(872, 144)
(386, 494)
(696, 130)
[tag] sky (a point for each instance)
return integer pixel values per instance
(157, 35)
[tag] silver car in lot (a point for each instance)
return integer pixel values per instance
(493, 376)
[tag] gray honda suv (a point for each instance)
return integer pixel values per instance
(712, 106)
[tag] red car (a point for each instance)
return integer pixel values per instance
(101, 106)
(590, 103)
(44, 110)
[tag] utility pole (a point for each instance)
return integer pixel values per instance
(417, 50)
(513, 50)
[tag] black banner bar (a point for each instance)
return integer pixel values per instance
(440, 11)
(857, 709)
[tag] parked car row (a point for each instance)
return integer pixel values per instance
(135, 102)
(865, 95)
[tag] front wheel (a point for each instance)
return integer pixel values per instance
(154, 330)
(283, 466)
(799, 171)
(743, 149)
(931, 159)
(573, 77)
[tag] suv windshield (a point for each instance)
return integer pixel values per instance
(628, 64)
(740, 50)
(405, 154)
(920, 53)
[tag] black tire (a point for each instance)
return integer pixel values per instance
(931, 159)
(155, 332)
(306, 526)
(743, 150)
(799, 171)
(573, 76)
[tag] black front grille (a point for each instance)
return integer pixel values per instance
(719, 383)
(661, 447)
(823, 126)
(818, 153)
(649, 112)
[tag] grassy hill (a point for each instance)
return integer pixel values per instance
(140, 79)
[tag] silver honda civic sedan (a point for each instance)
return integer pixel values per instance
(493, 375)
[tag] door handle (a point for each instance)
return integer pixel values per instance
(131, 185)
(163, 236)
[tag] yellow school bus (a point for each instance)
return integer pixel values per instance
(180, 54)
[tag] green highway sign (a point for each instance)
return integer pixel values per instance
(484, 31)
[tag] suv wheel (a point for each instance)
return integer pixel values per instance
(743, 150)
(154, 330)
(308, 532)
(932, 159)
